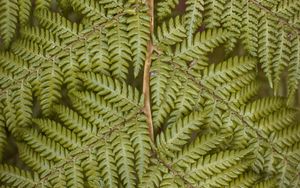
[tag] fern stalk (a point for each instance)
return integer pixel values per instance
(146, 77)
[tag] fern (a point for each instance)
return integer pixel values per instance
(14, 12)
(76, 112)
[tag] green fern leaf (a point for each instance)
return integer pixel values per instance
(293, 75)
(25, 9)
(249, 30)
(164, 8)
(170, 33)
(266, 45)
(74, 175)
(3, 135)
(180, 132)
(123, 151)
(213, 12)
(120, 53)
(114, 91)
(193, 16)
(107, 165)
(213, 164)
(16, 177)
(138, 31)
(9, 19)
(91, 9)
(202, 42)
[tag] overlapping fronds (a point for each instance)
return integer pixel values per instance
(48, 57)
(71, 100)
(14, 13)
(269, 30)
(66, 150)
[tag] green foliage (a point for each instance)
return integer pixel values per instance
(13, 12)
(71, 100)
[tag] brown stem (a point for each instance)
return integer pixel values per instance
(146, 79)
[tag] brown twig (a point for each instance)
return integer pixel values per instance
(146, 78)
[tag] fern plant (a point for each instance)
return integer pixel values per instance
(125, 96)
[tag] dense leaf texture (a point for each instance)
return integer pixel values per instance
(71, 101)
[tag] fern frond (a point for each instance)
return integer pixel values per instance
(246, 93)
(202, 43)
(169, 181)
(9, 112)
(60, 26)
(286, 9)
(179, 133)
(293, 70)
(246, 179)
(193, 16)
(71, 100)
(42, 4)
(170, 32)
(69, 68)
(268, 183)
(153, 175)
(25, 9)
(93, 51)
(213, 13)
(138, 34)
(262, 107)
(277, 120)
(112, 6)
(24, 105)
(51, 83)
(165, 7)
(165, 94)
(227, 71)
(215, 112)
(264, 157)
(74, 174)
(97, 110)
(232, 21)
(9, 11)
(57, 179)
(266, 45)
(141, 145)
(287, 136)
(91, 9)
(45, 39)
(114, 91)
(281, 58)
(226, 176)
(199, 147)
(210, 165)
(240, 89)
(124, 156)
(15, 84)
(3, 134)
(160, 75)
(107, 165)
(77, 124)
(46, 147)
(59, 133)
(118, 46)
(184, 101)
(15, 177)
(249, 30)
(33, 159)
